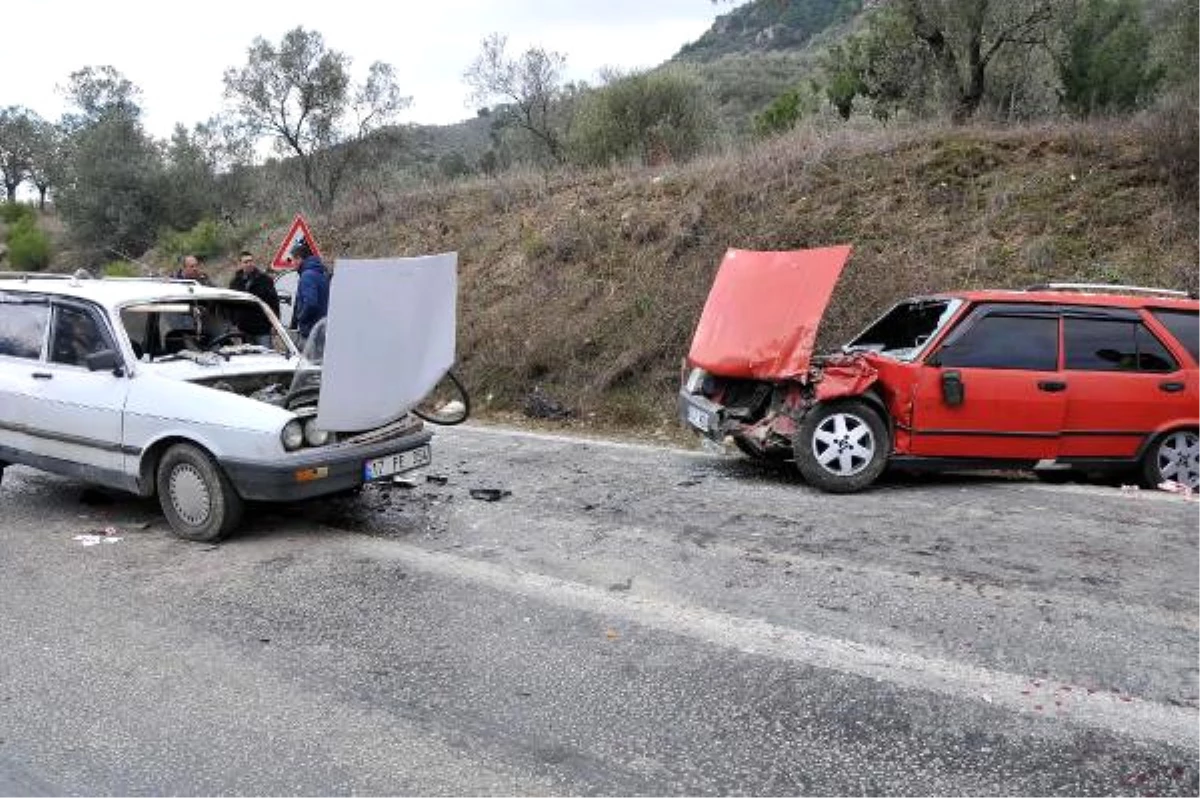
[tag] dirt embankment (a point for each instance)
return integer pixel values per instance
(583, 290)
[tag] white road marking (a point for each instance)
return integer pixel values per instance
(1123, 714)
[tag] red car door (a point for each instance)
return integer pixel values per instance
(1124, 384)
(992, 389)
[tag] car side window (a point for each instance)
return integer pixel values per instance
(1112, 345)
(1005, 342)
(76, 335)
(23, 328)
(1185, 326)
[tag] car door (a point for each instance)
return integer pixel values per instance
(992, 389)
(79, 411)
(1123, 384)
(24, 323)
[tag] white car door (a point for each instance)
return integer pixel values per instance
(79, 411)
(24, 322)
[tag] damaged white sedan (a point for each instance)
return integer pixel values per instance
(150, 386)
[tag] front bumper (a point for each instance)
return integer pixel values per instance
(315, 472)
(702, 415)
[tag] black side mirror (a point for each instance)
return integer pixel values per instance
(953, 390)
(105, 360)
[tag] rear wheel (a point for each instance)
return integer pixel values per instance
(1175, 456)
(842, 447)
(195, 495)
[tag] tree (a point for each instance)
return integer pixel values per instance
(17, 127)
(1105, 64)
(964, 36)
(49, 160)
(111, 202)
(527, 87)
(300, 95)
(662, 115)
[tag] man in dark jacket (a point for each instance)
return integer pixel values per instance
(253, 280)
(312, 289)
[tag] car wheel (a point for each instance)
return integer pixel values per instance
(842, 447)
(1175, 456)
(195, 495)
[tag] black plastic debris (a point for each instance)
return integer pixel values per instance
(489, 494)
(436, 479)
(539, 405)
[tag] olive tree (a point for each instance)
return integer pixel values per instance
(527, 89)
(17, 127)
(299, 94)
(110, 199)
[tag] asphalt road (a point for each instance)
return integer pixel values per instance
(622, 620)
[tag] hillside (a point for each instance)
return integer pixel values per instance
(586, 288)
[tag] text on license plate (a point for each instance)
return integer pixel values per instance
(697, 418)
(395, 463)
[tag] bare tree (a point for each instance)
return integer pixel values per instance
(300, 95)
(48, 166)
(527, 87)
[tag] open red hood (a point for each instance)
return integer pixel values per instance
(760, 320)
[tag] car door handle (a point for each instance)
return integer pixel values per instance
(42, 375)
(1052, 386)
(1171, 387)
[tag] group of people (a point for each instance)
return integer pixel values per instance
(310, 303)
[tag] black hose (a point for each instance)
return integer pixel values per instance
(466, 401)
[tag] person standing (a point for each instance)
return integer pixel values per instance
(312, 289)
(253, 280)
(190, 270)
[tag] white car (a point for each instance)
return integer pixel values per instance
(148, 386)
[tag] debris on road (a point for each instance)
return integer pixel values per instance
(108, 535)
(437, 479)
(1171, 486)
(489, 494)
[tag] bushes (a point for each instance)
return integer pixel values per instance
(205, 241)
(1171, 132)
(28, 247)
(656, 117)
(14, 212)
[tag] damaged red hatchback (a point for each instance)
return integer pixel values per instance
(1056, 378)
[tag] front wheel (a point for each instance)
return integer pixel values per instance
(1176, 457)
(842, 447)
(195, 495)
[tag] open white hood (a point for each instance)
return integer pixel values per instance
(390, 337)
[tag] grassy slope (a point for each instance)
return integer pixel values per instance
(589, 286)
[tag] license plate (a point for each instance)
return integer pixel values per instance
(697, 418)
(397, 463)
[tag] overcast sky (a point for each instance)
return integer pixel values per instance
(177, 53)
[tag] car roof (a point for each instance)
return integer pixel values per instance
(1083, 295)
(114, 292)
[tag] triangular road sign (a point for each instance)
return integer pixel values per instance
(298, 232)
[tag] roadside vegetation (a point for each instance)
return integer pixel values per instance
(953, 145)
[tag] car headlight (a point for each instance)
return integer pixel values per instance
(314, 436)
(292, 435)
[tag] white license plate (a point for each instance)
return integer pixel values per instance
(395, 463)
(697, 418)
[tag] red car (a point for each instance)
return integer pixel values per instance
(1056, 378)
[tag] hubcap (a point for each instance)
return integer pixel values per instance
(1179, 458)
(843, 444)
(189, 494)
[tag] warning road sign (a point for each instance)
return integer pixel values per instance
(298, 232)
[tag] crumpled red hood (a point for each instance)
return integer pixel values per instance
(760, 320)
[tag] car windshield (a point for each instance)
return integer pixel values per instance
(185, 329)
(903, 331)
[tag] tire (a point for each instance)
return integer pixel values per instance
(195, 495)
(842, 447)
(1173, 456)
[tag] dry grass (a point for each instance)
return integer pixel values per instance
(589, 285)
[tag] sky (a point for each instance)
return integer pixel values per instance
(177, 53)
